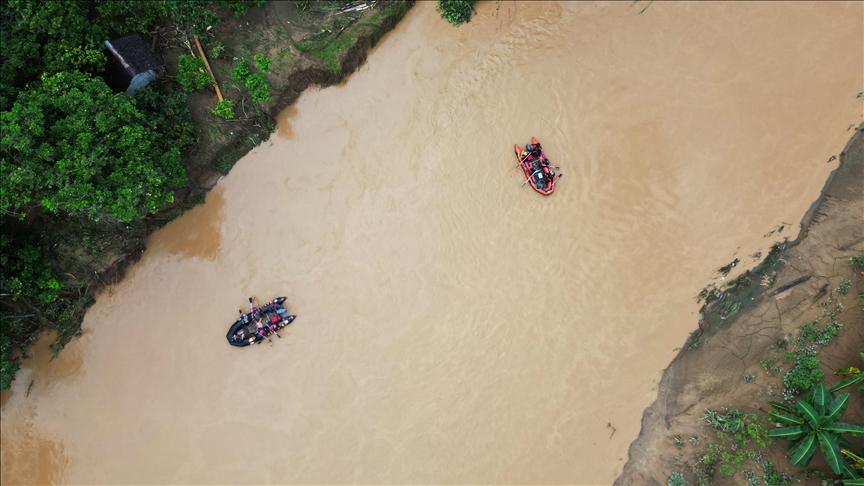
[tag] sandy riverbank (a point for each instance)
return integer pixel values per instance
(708, 371)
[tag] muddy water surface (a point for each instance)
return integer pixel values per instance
(453, 326)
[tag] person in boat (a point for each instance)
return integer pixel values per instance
(526, 156)
(262, 329)
(535, 149)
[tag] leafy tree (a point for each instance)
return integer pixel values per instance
(457, 12)
(25, 270)
(191, 16)
(8, 366)
(74, 146)
(46, 37)
(26, 283)
(814, 422)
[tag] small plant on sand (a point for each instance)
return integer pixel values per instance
(676, 479)
(729, 309)
(225, 109)
(752, 478)
(191, 73)
(844, 286)
(457, 12)
(724, 420)
(749, 378)
(769, 366)
(814, 423)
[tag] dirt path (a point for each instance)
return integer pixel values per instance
(707, 373)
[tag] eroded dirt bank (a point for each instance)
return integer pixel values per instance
(708, 371)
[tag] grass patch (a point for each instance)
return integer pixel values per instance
(331, 55)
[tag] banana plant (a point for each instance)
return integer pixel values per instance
(814, 422)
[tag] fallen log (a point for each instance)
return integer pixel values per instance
(791, 284)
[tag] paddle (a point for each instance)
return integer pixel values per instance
(529, 179)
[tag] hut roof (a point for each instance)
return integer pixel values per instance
(134, 54)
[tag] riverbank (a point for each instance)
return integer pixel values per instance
(734, 358)
(309, 44)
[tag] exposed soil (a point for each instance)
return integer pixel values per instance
(707, 373)
(296, 42)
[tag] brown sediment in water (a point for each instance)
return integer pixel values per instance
(453, 328)
(709, 375)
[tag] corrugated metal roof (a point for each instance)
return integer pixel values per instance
(134, 54)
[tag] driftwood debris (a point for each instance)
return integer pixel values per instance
(791, 284)
(850, 245)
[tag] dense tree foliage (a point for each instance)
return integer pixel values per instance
(73, 149)
(75, 146)
(192, 16)
(46, 37)
(26, 281)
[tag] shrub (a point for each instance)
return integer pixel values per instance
(217, 50)
(801, 378)
(241, 71)
(8, 367)
(263, 62)
(724, 420)
(676, 479)
(192, 74)
(225, 109)
(813, 424)
(457, 12)
(257, 85)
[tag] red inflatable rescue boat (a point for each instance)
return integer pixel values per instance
(537, 168)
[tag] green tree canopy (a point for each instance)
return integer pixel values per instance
(46, 37)
(74, 146)
(192, 16)
(26, 280)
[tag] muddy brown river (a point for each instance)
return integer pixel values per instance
(453, 326)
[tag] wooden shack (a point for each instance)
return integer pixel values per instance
(131, 64)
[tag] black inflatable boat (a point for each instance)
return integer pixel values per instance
(259, 323)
